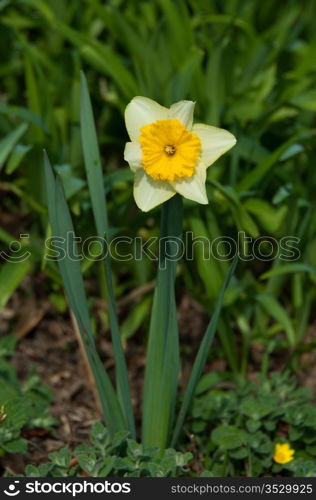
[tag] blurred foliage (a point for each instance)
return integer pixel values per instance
(22, 406)
(237, 430)
(249, 65)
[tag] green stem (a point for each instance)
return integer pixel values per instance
(162, 367)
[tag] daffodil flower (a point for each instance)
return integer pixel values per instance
(168, 154)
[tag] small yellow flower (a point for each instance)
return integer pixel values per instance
(283, 453)
(168, 154)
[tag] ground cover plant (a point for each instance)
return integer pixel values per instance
(241, 430)
(249, 67)
(23, 406)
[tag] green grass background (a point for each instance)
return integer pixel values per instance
(250, 67)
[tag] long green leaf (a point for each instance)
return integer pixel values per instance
(277, 311)
(8, 142)
(11, 276)
(162, 366)
(293, 267)
(97, 194)
(201, 357)
(62, 226)
(101, 57)
(249, 180)
(6, 237)
(33, 96)
(24, 114)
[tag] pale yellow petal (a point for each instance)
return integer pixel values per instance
(133, 155)
(215, 142)
(183, 111)
(193, 187)
(149, 193)
(142, 111)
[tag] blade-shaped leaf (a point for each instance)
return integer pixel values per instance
(8, 142)
(71, 273)
(97, 194)
(250, 179)
(11, 276)
(277, 311)
(293, 267)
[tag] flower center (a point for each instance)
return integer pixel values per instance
(170, 151)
